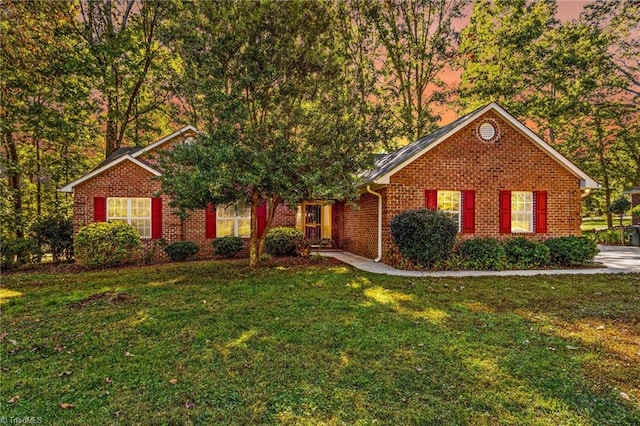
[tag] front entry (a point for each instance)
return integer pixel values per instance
(314, 220)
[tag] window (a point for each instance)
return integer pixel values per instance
(521, 211)
(233, 220)
(134, 211)
(449, 203)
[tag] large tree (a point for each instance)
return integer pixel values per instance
(417, 43)
(283, 120)
(129, 64)
(45, 110)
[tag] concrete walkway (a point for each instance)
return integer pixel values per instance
(614, 260)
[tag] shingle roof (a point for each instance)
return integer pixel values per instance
(390, 161)
(117, 154)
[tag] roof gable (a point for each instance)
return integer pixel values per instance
(99, 170)
(395, 161)
(128, 154)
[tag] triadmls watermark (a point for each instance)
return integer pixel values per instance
(25, 420)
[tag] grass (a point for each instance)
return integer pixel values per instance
(217, 343)
(589, 224)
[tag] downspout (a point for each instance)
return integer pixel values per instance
(377, 259)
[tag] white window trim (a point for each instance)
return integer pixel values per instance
(236, 220)
(530, 213)
(128, 218)
(459, 211)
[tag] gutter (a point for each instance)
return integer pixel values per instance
(377, 259)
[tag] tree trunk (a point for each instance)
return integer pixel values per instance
(14, 179)
(111, 135)
(38, 181)
(254, 241)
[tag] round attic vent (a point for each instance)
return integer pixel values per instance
(488, 131)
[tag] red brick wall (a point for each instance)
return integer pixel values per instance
(337, 224)
(285, 216)
(130, 180)
(361, 225)
(463, 162)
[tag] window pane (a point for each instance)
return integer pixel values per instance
(141, 207)
(521, 212)
(243, 210)
(224, 228)
(244, 227)
(143, 226)
(116, 208)
(449, 202)
(226, 211)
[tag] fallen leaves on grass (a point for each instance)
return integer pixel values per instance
(14, 399)
(66, 405)
(173, 381)
(65, 373)
(188, 405)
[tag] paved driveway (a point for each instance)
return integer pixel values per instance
(615, 259)
(625, 258)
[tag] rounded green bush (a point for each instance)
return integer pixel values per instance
(424, 236)
(106, 244)
(227, 246)
(524, 253)
(181, 250)
(282, 241)
(483, 254)
(567, 251)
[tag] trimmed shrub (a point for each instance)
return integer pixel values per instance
(524, 253)
(608, 237)
(106, 244)
(424, 236)
(283, 241)
(227, 246)
(181, 250)
(54, 235)
(16, 252)
(483, 254)
(567, 251)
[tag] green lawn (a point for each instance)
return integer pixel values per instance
(217, 343)
(589, 224)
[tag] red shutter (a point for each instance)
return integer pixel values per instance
(99, 209)
(262, 218)
(541, 211)
(468, 212)
(431, 199)
(210, 221)
(505, 212)
(156, 218)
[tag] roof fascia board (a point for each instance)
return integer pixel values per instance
(69, 187)
(164, 139)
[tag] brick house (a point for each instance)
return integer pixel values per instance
(490, 172)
